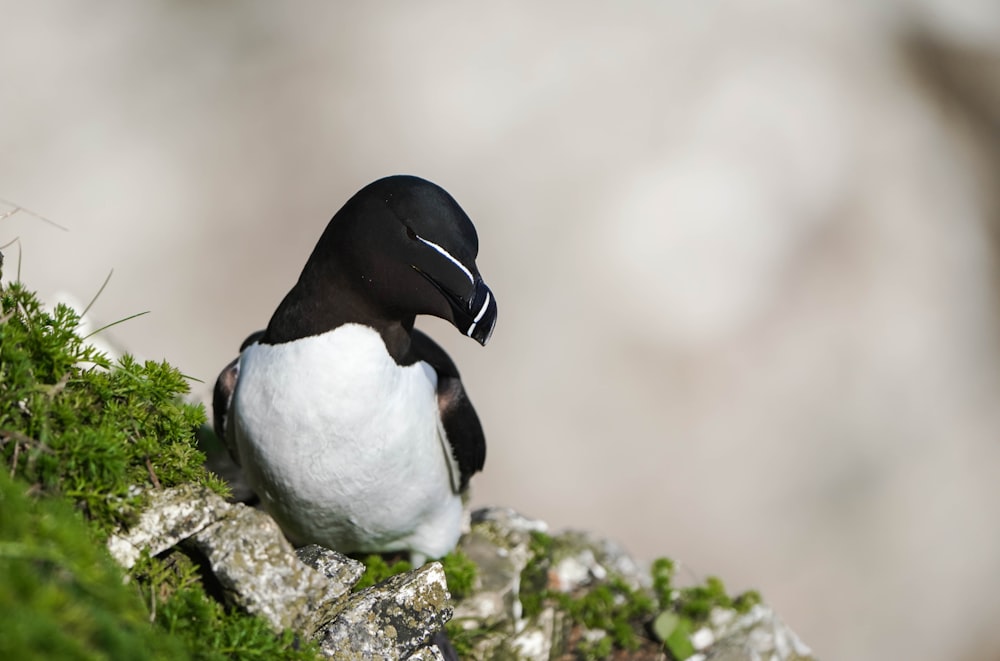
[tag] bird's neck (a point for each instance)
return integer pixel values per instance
(306, 312)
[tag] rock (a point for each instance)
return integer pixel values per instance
(391, 620)
(498, 544)
(308, 590)
(261, 573)
(512, 564)
(172, 516)
(759, 635)
(343, 572)
(247, 552)
(428, 653)
(538, 638)
(581, 558)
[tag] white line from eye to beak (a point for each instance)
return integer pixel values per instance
(447, 254)
(479, 316)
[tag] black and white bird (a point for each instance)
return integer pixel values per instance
(352, 426)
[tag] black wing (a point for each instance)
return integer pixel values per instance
(464, 433)
(222, 396)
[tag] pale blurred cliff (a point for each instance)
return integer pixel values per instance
(745, 254)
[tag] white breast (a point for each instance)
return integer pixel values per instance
(344, 446)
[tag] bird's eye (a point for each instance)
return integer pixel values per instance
(410, 233)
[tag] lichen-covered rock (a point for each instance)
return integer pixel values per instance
(305, 590)
(428, 653)
(581, 558)
(589, 599)
(341, 573)
(499, 544)
(172, 516)
(759, 635)
(539, 638)
(536, 596)
(260, 572)
(391, 620)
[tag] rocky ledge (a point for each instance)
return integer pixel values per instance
(534, 595)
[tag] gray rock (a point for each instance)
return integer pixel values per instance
(305, 590)
(341, 573)
(537, 639)
(391, 620)
(759, 635)
(172, 516)
(428, 653)
(581, 558)
(260, 572)
(507, 522)
(308, 590)
(498, 544)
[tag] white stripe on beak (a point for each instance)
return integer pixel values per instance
(447, 254)
(479, 316)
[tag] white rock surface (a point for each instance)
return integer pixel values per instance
(172, 516)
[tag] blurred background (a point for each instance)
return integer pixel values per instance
(745, 254)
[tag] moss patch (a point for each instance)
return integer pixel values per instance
(173, 585)
(459, 571)
(61, 595)
(629, 618)
(78, 433)
(75, 424)
(378, 569)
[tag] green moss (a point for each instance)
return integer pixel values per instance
(210, 631)
(80, 432)
(73, 423)
(628, 617)
(460, 572)
(378, 569)
(614, 608)
(677, 637)
(688, 608)
(464, 640)
(534, 577)
(599, 649)
(61, 595)
(743, 602)
(611, 606)
(662, 572)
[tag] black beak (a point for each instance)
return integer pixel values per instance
(474, 313)
(477, 318)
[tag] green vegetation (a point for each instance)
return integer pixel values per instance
(61, 595)
(173, 585)
(459, 571)
(378, 569)
(629, 617)
(78, 434)
(74, 424)
(611, 606)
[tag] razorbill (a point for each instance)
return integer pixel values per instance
(351, 426)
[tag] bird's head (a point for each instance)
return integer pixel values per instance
(408, 245)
